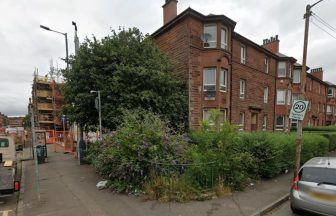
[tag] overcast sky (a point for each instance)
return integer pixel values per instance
(24, 46)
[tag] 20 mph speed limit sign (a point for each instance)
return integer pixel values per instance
(299, 109)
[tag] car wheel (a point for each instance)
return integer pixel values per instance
(295, 210)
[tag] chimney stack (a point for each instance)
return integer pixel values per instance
(317, 72)
(272, 44)
(169, 11)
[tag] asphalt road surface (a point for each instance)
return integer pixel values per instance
(284, 210)
(8, 206)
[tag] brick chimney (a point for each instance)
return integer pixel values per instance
(272, 44)
(169, 11)
(317, 72)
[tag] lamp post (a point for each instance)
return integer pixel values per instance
(298, 142)
(99, 110)
(66, 42)
(76, 40)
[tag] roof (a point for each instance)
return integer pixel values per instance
(321, 162)
(330, 84)
(191, 12)
(255, 45)
(285, 57)
(211, 17)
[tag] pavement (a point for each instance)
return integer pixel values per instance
(70, 189)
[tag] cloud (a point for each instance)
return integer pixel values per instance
(24, 46)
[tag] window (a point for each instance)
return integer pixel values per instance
(209, 79)
(329, 109)
(319, 87)
(318, 107)
(264, 125)
(280, 123)
(330, 92)
(223, 80)
(224, 115)
(266, 65)
(224, 38)
(242, 54)
(4, 143)
(294, 122)
(210, 36)
(295, 97)
(242, 89)
(289, 96)
(241, 121)
(265, 94)
(296, 76)
(282, 69)
(207, 116)
(281, 97)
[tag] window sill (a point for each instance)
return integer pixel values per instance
(210, 47)
(224, 91)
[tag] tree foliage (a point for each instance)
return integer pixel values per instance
(130, 72)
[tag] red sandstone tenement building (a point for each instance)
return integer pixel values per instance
(253, 85)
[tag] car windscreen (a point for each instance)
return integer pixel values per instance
(4, 143)
(318, 175)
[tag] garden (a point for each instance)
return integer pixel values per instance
(144, 156)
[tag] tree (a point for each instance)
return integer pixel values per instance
(131, 73)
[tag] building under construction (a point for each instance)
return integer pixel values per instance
(46, 102)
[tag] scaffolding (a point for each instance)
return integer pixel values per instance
(47, 101)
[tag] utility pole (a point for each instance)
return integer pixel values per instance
(298, 141)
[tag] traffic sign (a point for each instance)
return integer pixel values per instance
(299, 109)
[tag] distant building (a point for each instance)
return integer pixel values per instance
(3, 120)
(47, 102)
(15, 122)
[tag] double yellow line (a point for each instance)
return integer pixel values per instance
(5, 213)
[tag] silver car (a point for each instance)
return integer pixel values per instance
(314, 189)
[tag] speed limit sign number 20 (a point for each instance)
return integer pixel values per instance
(299, 109)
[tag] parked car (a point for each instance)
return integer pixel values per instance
(8, 183)
(314, 189)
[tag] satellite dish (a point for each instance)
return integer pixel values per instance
(205, 38)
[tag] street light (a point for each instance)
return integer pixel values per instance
(76, 40)
(66, 42)
(99, 109)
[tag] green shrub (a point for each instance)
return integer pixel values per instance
(141, 143)
(320, 128)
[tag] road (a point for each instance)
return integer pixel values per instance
(284, 210)
(8, 206)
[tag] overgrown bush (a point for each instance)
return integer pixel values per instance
(140, 144)
(143, 154)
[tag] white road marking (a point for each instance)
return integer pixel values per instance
(5, 213)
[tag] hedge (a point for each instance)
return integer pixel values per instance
(144, 155)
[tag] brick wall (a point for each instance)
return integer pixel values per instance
(256, 79)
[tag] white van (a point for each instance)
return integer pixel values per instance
(8, 183)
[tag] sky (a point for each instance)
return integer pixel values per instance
(24, 46)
